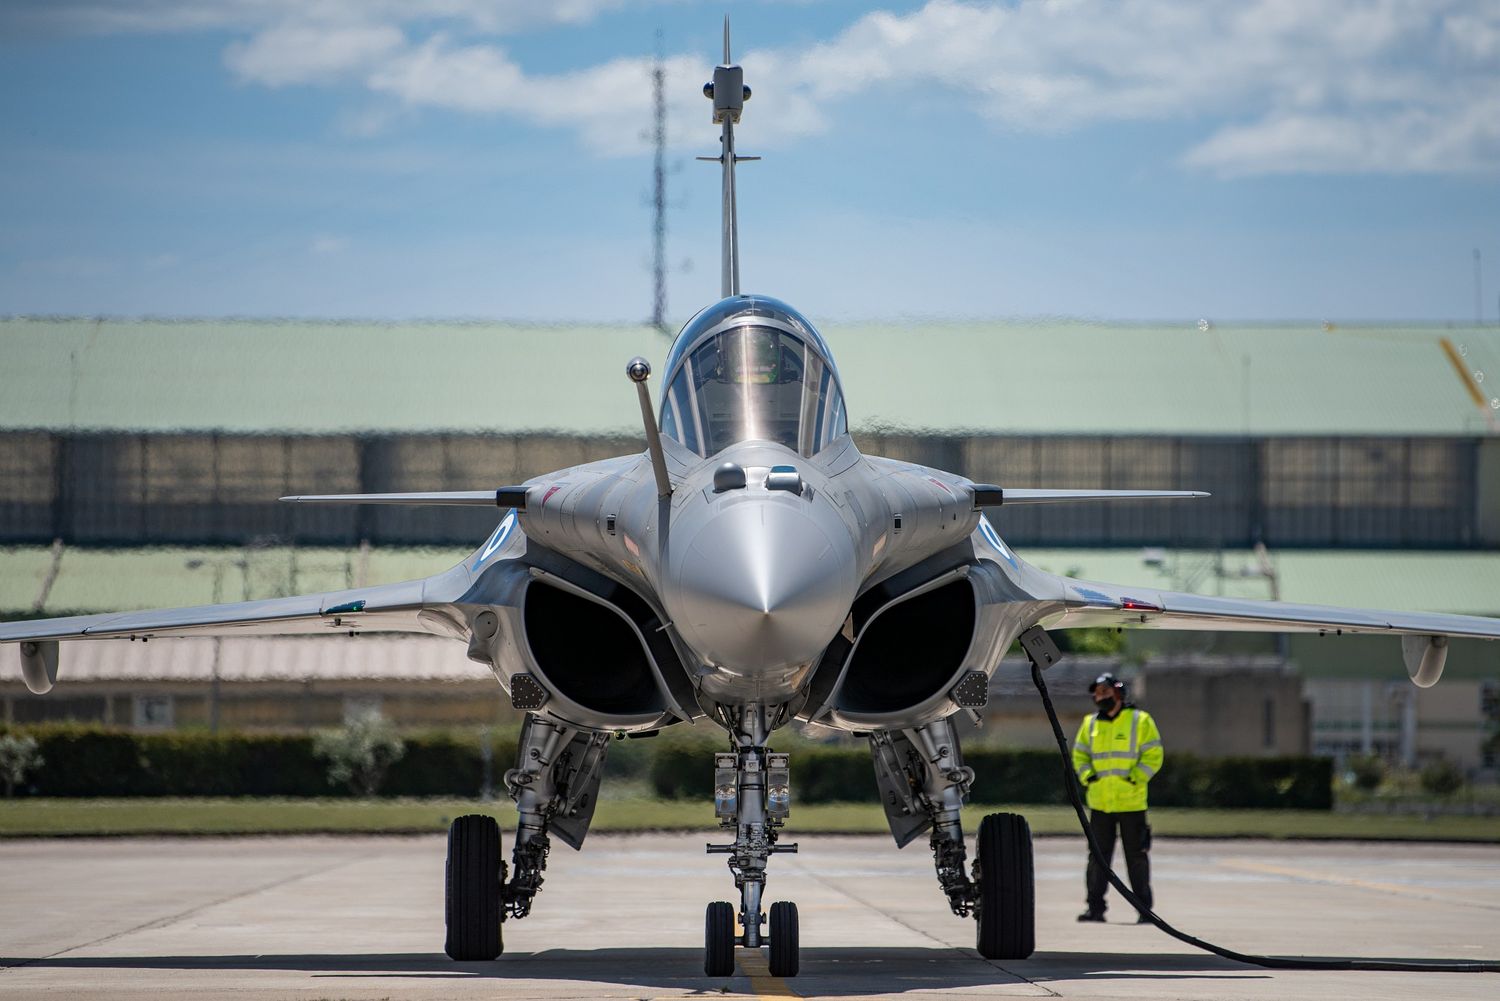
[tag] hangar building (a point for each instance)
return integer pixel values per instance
(140, 461)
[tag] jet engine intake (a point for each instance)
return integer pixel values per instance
(589, 652)
(909, 652)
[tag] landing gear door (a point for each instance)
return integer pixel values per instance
(578, 774)
(890, 750)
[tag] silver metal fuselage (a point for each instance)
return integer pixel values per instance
(754, 582)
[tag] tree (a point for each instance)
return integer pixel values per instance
(18, 757)
(1442, 777)
(1097, 640)
(1367, 771)
(361, 752)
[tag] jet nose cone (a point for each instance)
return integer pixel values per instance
(763, 587)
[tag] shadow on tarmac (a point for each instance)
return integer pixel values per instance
(838, 971)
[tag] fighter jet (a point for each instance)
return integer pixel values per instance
(749, 570)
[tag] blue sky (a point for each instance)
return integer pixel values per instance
(388, 159)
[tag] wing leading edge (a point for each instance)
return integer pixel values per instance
(1424, 634)
(391, 607)
(986, 495)
(503, 497)
(414, 606)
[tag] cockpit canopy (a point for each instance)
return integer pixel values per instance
(751, 368)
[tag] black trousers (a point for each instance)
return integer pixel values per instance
(1136, 834)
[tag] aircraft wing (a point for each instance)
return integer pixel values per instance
(410, 606)
(382, 608)
(1424, 634)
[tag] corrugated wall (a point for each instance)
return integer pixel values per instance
(212, 489)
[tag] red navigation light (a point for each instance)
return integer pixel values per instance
(1136, 605)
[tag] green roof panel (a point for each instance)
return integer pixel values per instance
(945, 378)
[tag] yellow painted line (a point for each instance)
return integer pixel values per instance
(1246, 865)
(1464, 375)
(753, 962)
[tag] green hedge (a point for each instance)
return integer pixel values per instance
(845, 774)
(90, 761)
(1289, 783)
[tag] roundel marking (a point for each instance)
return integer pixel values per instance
(497, 538)
(993, 538)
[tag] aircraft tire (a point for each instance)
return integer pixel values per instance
(1006, 910)
(718, 939)
(472, 889)
(785, 957)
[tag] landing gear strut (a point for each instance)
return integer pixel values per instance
(923, 785)
(555, 785)
(752, 797)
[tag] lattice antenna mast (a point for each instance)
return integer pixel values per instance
(659, 195)
(728, 92)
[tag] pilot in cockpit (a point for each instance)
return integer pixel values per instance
(754, 382)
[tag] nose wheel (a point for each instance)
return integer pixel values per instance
(752, 798)
(785, 940)
(719, 940)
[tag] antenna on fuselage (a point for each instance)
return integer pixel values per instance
(728, 92)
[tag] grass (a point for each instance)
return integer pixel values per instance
(67, 817)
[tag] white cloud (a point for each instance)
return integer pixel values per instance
(1394, 86)
(309, 52)
(606, 104)
(326, 245)
(1474, 37)
(1412, 141)
(1293, 85)
(157, 16)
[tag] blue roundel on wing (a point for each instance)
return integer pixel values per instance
(496, 539)
(993, 538)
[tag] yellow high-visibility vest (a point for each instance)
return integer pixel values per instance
(1121, 755)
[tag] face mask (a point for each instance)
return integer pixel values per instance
(1105, 704)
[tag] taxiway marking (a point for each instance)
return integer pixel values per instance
(761, 982)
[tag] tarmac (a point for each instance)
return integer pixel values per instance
(361, 917)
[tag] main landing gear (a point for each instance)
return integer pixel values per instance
(752, 797)
(1005, 906)
(923, 785)
(555, 785)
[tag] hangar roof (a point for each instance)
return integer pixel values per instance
(999, 377)
(273, 658)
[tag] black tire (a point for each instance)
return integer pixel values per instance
(718, 939)
(473, 889)
(1007, 897)
(785, 940)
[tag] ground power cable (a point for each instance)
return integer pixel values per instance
(1267, 962)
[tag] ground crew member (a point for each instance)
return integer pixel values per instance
(1117, 751)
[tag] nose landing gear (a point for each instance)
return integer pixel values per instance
(752, 797)
(785, 957)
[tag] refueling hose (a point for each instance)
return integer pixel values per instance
(1268, 962)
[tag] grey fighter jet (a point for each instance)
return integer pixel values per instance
(750, 569)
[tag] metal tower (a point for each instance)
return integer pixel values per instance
(659, 234)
